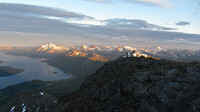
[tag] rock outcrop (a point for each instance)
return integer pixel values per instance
(135, 53)
(138, 84)
(76, 53)
(36, 101)
(97, 57)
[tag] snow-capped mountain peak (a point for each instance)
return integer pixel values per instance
(76, 53)
(135, 53)
(129, 48)
(93, 47)
(52, 48)
(84, 47)
(126, 48)
(158, 48)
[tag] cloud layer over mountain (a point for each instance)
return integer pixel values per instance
(65, 25)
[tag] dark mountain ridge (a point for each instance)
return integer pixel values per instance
(132, 83)
(138, 84)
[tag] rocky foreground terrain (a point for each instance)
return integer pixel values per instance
(138, 84)
(132, 83)
(31, 101)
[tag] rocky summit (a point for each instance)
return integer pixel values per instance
(138, 84)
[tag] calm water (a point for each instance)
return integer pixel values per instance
(34, 69)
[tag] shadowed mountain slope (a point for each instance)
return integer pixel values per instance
(138, 84)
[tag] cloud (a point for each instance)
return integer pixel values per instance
(183, 23)
(112, 31)
(156, 3)
(134, 24)
(32, 10)
(38, 19)
(178, 40)
(121, 38)
(98, 1)
(182, 42)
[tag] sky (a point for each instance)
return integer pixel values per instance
(172, 23)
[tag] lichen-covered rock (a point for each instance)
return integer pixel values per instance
(140, 84)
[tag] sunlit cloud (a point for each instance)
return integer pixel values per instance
(86, 21)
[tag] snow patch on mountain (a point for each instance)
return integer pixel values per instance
(135, 53)
(84, 47)
(12, 109)
(76, 53)
(41, 93)
(52, 48)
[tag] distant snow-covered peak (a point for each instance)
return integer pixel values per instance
(52, 48)
(76, 53)
(93, 47)
(158, 48)
(126, 48)
(84, 47)
(129, 48)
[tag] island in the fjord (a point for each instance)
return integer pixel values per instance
(6, 71)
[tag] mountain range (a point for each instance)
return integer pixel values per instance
(127, 78)
(104, 53)
(138, 84)
(134, 82)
